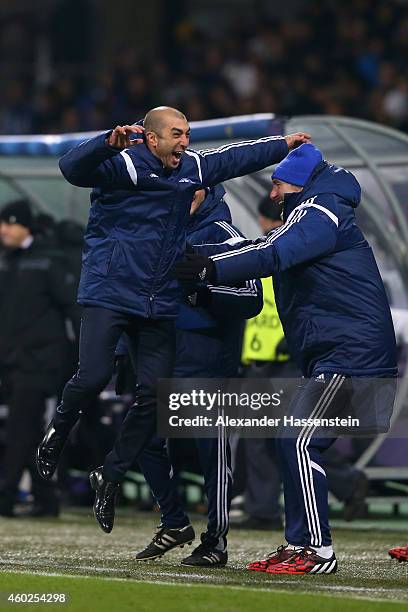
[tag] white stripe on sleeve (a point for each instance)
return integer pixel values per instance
(130, 166)
(244, 143)
(322, 209)
(229, 229)
(198, 161)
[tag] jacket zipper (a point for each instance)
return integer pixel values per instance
(152, 295)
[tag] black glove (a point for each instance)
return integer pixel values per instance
(201, 297)
(194, 268)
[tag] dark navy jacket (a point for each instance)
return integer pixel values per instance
(209, 339)
(329, 293)
(139, 214)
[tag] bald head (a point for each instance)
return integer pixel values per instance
(160, 117)
(167, 134)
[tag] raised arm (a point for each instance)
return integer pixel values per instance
(240, 158)
(102, 161)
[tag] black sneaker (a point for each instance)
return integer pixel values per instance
(165, 540)
(206, 556)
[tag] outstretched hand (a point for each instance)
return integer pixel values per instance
(297, 139)
(120, 137)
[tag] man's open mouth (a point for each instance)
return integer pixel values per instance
(176, 155)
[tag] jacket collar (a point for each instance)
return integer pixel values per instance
(291, 200)
(155, 164)
(152, 160)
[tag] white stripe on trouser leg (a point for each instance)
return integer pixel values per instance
(222, 483)
(317, 467)
(219, 481)
(307, 501)
(305, 438)
(223, 475)
(227, 480)
(303, 459)
(306, 473)
(227, 477)
(222, 468)
(309, 431)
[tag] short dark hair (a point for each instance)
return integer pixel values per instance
(155, 118)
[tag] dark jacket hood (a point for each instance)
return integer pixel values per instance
(327, 178)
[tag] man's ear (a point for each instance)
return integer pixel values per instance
(151, 138)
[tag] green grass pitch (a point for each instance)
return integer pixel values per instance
(97, 571)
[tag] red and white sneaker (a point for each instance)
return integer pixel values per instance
(305, 561)
(282, 553)
(401, 554)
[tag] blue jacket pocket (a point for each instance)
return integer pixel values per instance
(98, 259)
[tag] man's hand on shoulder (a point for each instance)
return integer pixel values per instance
(120, 137)
(297, 139)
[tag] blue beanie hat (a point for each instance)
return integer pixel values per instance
(298, 165)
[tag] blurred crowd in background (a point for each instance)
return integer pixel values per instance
(342, 58)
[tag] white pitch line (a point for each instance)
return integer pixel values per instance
(254, 589)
